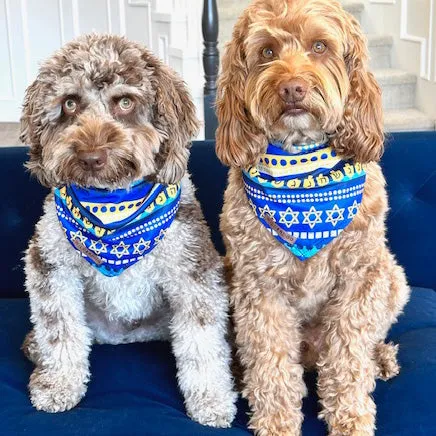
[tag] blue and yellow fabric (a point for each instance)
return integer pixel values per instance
(305, 199)
(115, 229)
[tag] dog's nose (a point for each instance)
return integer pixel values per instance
(293, 91)
(92, 160)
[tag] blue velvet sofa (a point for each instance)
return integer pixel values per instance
(133, 389)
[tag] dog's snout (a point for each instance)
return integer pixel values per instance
(92, 160)
(293, 91)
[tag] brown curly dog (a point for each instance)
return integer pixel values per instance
(296, 72)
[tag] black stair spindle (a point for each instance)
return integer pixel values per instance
(210, 65)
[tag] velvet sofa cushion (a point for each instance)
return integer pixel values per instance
(133, 389)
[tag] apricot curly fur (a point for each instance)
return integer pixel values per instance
(331, 312)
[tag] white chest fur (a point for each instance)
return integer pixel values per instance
(134, 294)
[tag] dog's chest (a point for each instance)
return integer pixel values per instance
(310, 284)
(134, 294)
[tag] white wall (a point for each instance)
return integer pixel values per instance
(412, 23)
(30, 30)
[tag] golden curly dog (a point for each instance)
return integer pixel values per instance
(296, 72)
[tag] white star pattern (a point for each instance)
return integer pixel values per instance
(353, 209)
(252, 205)
(161, 235)
(284, 217)
(339, 215)
(98, 247)
(116, 250)
(78, 235)
(317, 219)
(266, 209)
(141, 246)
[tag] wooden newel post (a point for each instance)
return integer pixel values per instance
(210, 65)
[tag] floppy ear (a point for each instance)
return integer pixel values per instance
(31, 129)
(360, 133)
(238, 140)
(174, 117)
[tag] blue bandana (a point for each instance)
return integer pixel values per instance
(115, 229)
(305, 199)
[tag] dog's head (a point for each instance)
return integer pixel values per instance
(297, 69)
(104, 112)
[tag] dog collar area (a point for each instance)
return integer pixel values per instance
(304, 200)
(300, 148)
(113, 230)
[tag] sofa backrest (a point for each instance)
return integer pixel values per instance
(21, 199)
(409, 164)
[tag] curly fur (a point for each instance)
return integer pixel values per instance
(177, 291)
(333, 311)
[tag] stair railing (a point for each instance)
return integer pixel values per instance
(210, 65)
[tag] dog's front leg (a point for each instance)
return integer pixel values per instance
(198, 331)
(346, 377)
(268, 339)
(60, 337)
(355, 323)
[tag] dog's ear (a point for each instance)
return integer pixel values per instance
(238, 140)
(174, 117)
(31, 129)
(360, 133)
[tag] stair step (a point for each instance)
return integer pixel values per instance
(380, 51)
(398, 88)
(354, 7)
(375, 40)
(407, 120)
(231, 10)
(392, 76)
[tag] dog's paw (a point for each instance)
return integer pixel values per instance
(276, 424)
(212, 410)
(30, 348)
(387, 365)
(53, 392)
(359, 426)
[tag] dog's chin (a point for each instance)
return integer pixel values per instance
(96, 181)
(296, 119)
(102, 179)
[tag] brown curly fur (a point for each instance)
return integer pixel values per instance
(176, 291)
(151, 141)
(333, 311)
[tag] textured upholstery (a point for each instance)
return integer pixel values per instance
(133, 388)
(409, 165)
(20, 208)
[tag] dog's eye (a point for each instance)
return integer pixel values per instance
(319, 47)
(70, 106)
(267, 53)
(125, 104)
